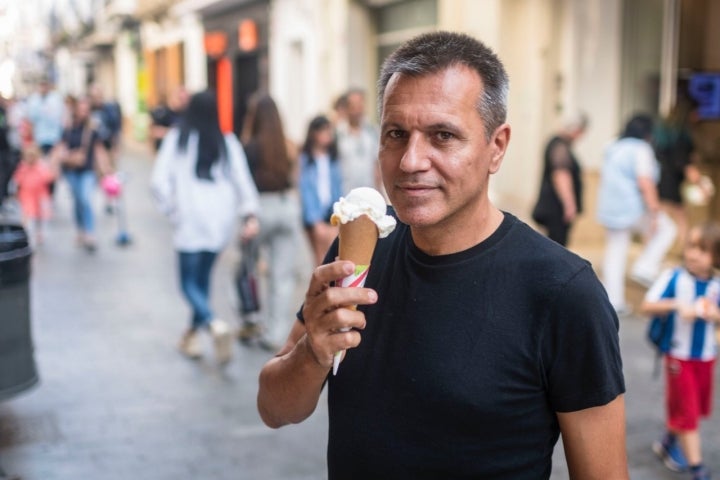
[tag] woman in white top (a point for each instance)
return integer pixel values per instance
(627, 203)
(202, 183)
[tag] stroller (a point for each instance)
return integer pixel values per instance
(112, 185)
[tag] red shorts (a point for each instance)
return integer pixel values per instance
(689, 386)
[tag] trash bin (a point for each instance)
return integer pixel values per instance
(17, 363)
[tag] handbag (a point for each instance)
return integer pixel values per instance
(246, 283)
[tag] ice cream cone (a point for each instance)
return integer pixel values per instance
(357, 240)
(362, 219)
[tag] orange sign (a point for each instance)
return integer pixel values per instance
(247, 35)
(215, 43)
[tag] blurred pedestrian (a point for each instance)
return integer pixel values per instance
(33, 178)
(83, 156)
(201, 181)
(340, 108)
(45, 110)
(320, 185)
(476, 341)
(166, 114)
(357, 144)
(679, 162)
(561, 189)
(107, 116)
(627, 203)
(7, 158)
(271, 160)
(689, 297)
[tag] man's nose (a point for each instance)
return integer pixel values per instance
(416, 156)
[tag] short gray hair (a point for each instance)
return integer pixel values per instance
(433, 52)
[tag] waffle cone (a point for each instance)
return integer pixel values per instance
(357, 240)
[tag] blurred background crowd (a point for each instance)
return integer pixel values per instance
(293, 82)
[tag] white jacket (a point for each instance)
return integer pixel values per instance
(204, 212)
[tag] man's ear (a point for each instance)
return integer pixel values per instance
(499, 143)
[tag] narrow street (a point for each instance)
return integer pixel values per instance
(116, 401)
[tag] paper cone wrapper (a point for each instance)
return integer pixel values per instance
(357, 244)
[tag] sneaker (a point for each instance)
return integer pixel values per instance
(222, 336)
(190, 345)
(670, 454)
(248, 332)
(702, 474)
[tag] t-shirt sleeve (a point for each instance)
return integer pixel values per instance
(580, 347)
(658, 289)
(560, 157)
(645, 162)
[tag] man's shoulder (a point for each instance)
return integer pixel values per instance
(534, 250)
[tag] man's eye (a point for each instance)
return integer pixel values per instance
(444, 135)
(396, 134)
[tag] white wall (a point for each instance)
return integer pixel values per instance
(308, 48)
(597, 35)
(126, 75)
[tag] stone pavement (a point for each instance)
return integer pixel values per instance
(116, 401)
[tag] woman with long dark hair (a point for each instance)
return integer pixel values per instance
(202, 183)
(320, 185)
(272, 166)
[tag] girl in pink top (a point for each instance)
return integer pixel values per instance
(33, 177)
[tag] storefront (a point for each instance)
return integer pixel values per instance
(236, 48)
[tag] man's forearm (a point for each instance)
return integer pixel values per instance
(290, 386)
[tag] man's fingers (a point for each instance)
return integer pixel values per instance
(325, 274)
(344, 297)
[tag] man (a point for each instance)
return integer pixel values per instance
(357, 144)
(166, 115)
(482, 340)
(46, 114)
(46, 111)
(107, 115)
(7, 157)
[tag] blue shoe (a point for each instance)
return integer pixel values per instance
(669, 452)
(701, 474)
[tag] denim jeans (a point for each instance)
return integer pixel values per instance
(195, 270)
(82, 185)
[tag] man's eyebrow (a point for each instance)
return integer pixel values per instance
(444, 126)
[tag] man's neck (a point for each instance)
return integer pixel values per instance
(446, 238)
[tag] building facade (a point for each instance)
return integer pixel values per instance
(607, 58)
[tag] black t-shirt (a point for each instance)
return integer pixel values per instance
(75, 137)
(466, 358)
(673, 149)
(558, 156)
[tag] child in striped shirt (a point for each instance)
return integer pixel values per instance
(690, 296)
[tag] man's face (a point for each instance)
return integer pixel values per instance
(355, 108)
(434, 156)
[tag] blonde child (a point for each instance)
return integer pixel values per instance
(33, 178)
(689, 295)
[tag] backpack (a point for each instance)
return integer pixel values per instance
(660, 328)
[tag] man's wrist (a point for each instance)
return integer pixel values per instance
(309, 352)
